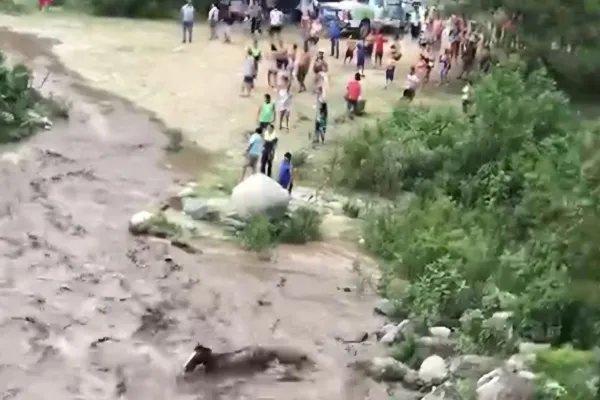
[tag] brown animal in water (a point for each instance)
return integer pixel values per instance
(245, 360)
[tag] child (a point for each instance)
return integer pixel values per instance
(350, 50)
(466, 97)
(412, 83)
(254, 50)
(389, 70)
(286, 173)
(321, 124)
(445, 64)
(360, 58)
(284, 102)
(249, 74)
(395, 51)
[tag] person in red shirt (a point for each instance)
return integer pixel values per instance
(379, 42)
(353, 92)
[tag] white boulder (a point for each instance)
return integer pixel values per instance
(433, 370)
(259, 194)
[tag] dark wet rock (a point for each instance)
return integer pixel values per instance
(200, 209)
(384, 307)
(472, 366)
(382, 368)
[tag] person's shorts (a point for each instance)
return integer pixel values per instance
(281, 63)
(274, 29)
(351, 104)
(248, 79)
(301, 74)
(408, 93)
(379, 55)
(349, 54)
(263, 125)
(360, 62)
(252, 160)
(389, 74)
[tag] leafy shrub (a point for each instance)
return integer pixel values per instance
(506, 204)
(301, 226)
(19, 103)
(566, 373)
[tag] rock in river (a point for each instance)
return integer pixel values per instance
(259, 194)
(138, 223)
(433, 370)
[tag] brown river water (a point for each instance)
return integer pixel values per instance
(89, 312)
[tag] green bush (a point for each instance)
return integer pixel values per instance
(506, 201)
(20, 105)
(300, 226)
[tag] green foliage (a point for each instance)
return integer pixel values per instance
(153, 9)
(299, 227)
(505, 215)
(481, 335)
(566, 373)
(19, 103)
(406, 352)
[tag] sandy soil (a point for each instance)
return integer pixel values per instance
(89, 312)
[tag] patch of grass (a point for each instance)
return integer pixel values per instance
(258, 235)
(406, 352)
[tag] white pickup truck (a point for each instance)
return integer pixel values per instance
(358, 17)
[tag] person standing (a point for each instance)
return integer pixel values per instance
(266, 112)
(255, 18)
(275, 23)
(187, 21)
(213, 20)
(353, 93)
(253, 152)
(268, 152)
(412, 83)
(334, 37)
(286, 173)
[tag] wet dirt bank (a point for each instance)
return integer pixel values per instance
(89, 312)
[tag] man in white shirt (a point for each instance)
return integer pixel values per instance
(187, 21)
(412, 83)
(275, 22)
(213, 19)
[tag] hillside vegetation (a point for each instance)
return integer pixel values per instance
(505, 216)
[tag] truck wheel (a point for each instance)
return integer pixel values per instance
(364, 28)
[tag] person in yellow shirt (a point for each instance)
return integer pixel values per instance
(268, 151)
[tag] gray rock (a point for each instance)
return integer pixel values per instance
(187, 192)
(532, 348)
(233, 223)
(384, 307)
(440, 331)
(501, 384)
(473, 366)
(520, 362)
(138, 223)
(429, 345)
(447, 391)
(382, 369)
(412, 381)
(433, 370)
(198, 209)
(385, 329)
(259, 194)
(391, 335)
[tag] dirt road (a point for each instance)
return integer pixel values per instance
(89, 312)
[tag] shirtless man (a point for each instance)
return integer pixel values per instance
(319, 66)
(302, 65)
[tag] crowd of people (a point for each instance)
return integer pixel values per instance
(442, 43)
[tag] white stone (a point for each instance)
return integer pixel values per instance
(259, 194)
(138, 221)
(433, 369)
(440, 331)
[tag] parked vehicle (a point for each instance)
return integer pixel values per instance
(358, 18)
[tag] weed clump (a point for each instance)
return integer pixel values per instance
(298, 227)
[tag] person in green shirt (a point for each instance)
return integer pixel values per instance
(266, 112)
(254, 51)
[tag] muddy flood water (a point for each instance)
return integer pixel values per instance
(89, 312)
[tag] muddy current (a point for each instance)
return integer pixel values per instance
(89, 312)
